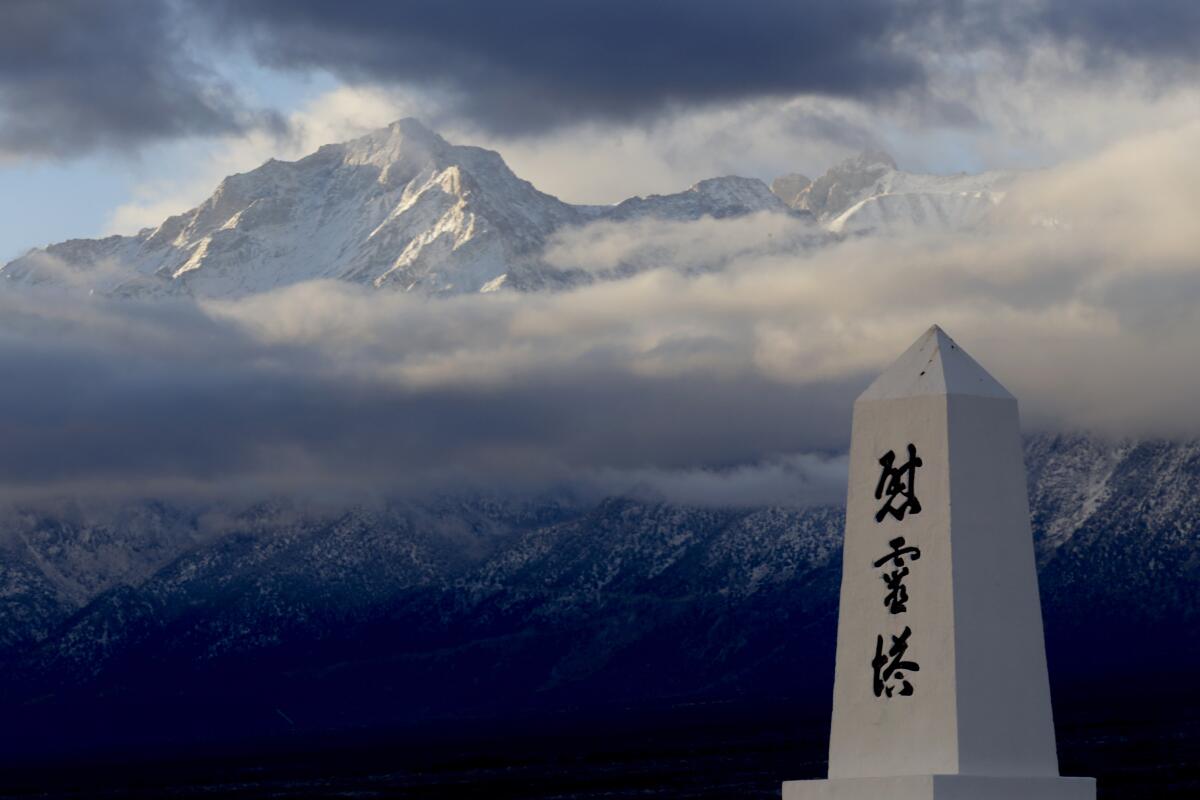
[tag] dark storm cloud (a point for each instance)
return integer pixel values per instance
(528, 64)
(77, 74)
(1160, 30)
(119, 399)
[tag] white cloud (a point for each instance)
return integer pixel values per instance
(763, 139)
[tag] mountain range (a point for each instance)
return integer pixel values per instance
(868, 194)
(403, 209)
(151, 620)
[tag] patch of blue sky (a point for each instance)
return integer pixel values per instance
(44, 201)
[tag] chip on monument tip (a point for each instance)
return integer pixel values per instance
(934, 365)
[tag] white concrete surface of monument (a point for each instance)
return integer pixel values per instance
(940, 688)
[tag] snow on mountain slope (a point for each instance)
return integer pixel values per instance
(789, 187)
(472, 607)
(400, 208)
(868, 193)
(719, 198)
(403, 209)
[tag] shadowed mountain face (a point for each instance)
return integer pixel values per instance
(475, 609)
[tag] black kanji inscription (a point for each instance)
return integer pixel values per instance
(898, 484)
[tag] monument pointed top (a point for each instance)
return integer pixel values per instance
(934, 365)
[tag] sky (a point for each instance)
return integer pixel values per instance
(732, 384)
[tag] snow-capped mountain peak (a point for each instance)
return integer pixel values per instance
(404, 141)
(398, 207)
(869, 193)
(401, 208)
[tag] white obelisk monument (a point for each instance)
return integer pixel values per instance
(940, 691)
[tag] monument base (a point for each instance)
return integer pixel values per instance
(942, 787)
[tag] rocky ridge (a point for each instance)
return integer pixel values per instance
(474, 606)
(402, 209)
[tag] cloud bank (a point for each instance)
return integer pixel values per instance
(1083, 299)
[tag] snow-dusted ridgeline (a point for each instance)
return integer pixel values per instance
(400, 208)
(868, 194)
(1115, 524)
(403, 209)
